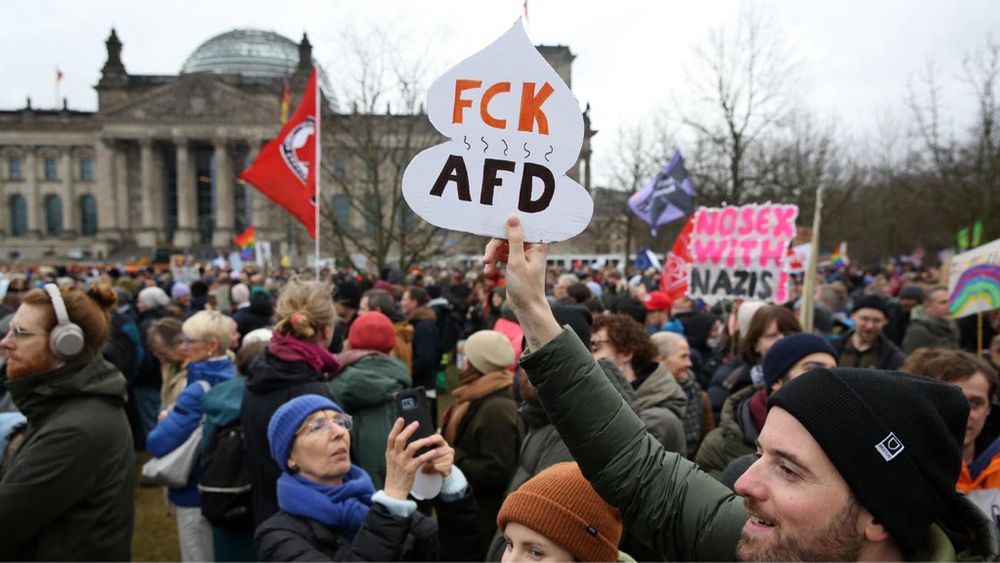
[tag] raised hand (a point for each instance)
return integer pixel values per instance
(401, 461)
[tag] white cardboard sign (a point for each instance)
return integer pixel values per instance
(515, 128)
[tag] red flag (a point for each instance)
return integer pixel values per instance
(677, 267)
(285, 171)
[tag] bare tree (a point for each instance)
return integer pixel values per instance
(368, 147)
(743, 89)
(965, 182)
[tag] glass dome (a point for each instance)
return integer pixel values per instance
(252, 53)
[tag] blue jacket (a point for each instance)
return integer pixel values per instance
(184, 419)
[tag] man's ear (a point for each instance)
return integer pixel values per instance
(874, 531)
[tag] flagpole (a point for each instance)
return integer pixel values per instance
(808, 287)
(319, 167)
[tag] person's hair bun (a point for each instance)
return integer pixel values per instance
(103, 294)
(301, 325)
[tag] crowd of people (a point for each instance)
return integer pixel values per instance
(578, 414)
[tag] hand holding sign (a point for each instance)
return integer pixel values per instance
(515, 129)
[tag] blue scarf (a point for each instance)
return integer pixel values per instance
(343, 507)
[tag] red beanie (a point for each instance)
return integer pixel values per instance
(372, 331)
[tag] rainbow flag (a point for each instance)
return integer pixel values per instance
(246, 241)
(839, 256)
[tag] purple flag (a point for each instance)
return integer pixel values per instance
(667, 197)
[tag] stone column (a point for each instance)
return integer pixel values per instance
(255, 201)
(32, 195)
(70, 207)
(148, 236)
(121, 189)
(107, 223)
(187, 196)
(225, 201)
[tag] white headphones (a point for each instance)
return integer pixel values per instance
(66, 339)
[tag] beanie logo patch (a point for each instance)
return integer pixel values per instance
(592, 531)
(889, 447)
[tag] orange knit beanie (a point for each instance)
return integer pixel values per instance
(560, 504)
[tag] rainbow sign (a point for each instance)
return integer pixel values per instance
(974, 281)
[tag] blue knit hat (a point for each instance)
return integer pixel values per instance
(788, 350)
(286, 421)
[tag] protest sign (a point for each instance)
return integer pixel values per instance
(514, 129)
(974, 281)
(740, 252)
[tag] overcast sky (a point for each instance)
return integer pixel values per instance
(856, 54)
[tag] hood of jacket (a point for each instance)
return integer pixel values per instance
(422, 313)
(270, 372)
(222, 402)
(937, 326)
(94, 377)
(965, 533)
(211, 371)
(262, 304)
(370, 381)
(729, 417)
(660, 389)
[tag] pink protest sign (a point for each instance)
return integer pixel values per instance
(740, 252)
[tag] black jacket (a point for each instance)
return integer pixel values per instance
(889, 355)
(66, 492)
(257, 315)
(426, 354)
(271, 383)
(382, 537)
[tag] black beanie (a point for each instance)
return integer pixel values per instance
(895, 438)
(787, 352)
(871, 302)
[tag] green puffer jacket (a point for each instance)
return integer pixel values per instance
(726, 441)
(683, 512)
(365, 389)
(66, 492)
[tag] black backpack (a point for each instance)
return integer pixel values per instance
(225, 480)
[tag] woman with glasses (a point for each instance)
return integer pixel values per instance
(206, 337)
(329, 509)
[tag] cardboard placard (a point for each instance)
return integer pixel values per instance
(974, 281)
(741, 252)
(515, 128)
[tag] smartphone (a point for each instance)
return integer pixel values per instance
(412, 406)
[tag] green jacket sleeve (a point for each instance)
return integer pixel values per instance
(665, 500)
(48, 478)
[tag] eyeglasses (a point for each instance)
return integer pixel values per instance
(327, 424)
(20, 333)
(595, 344)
